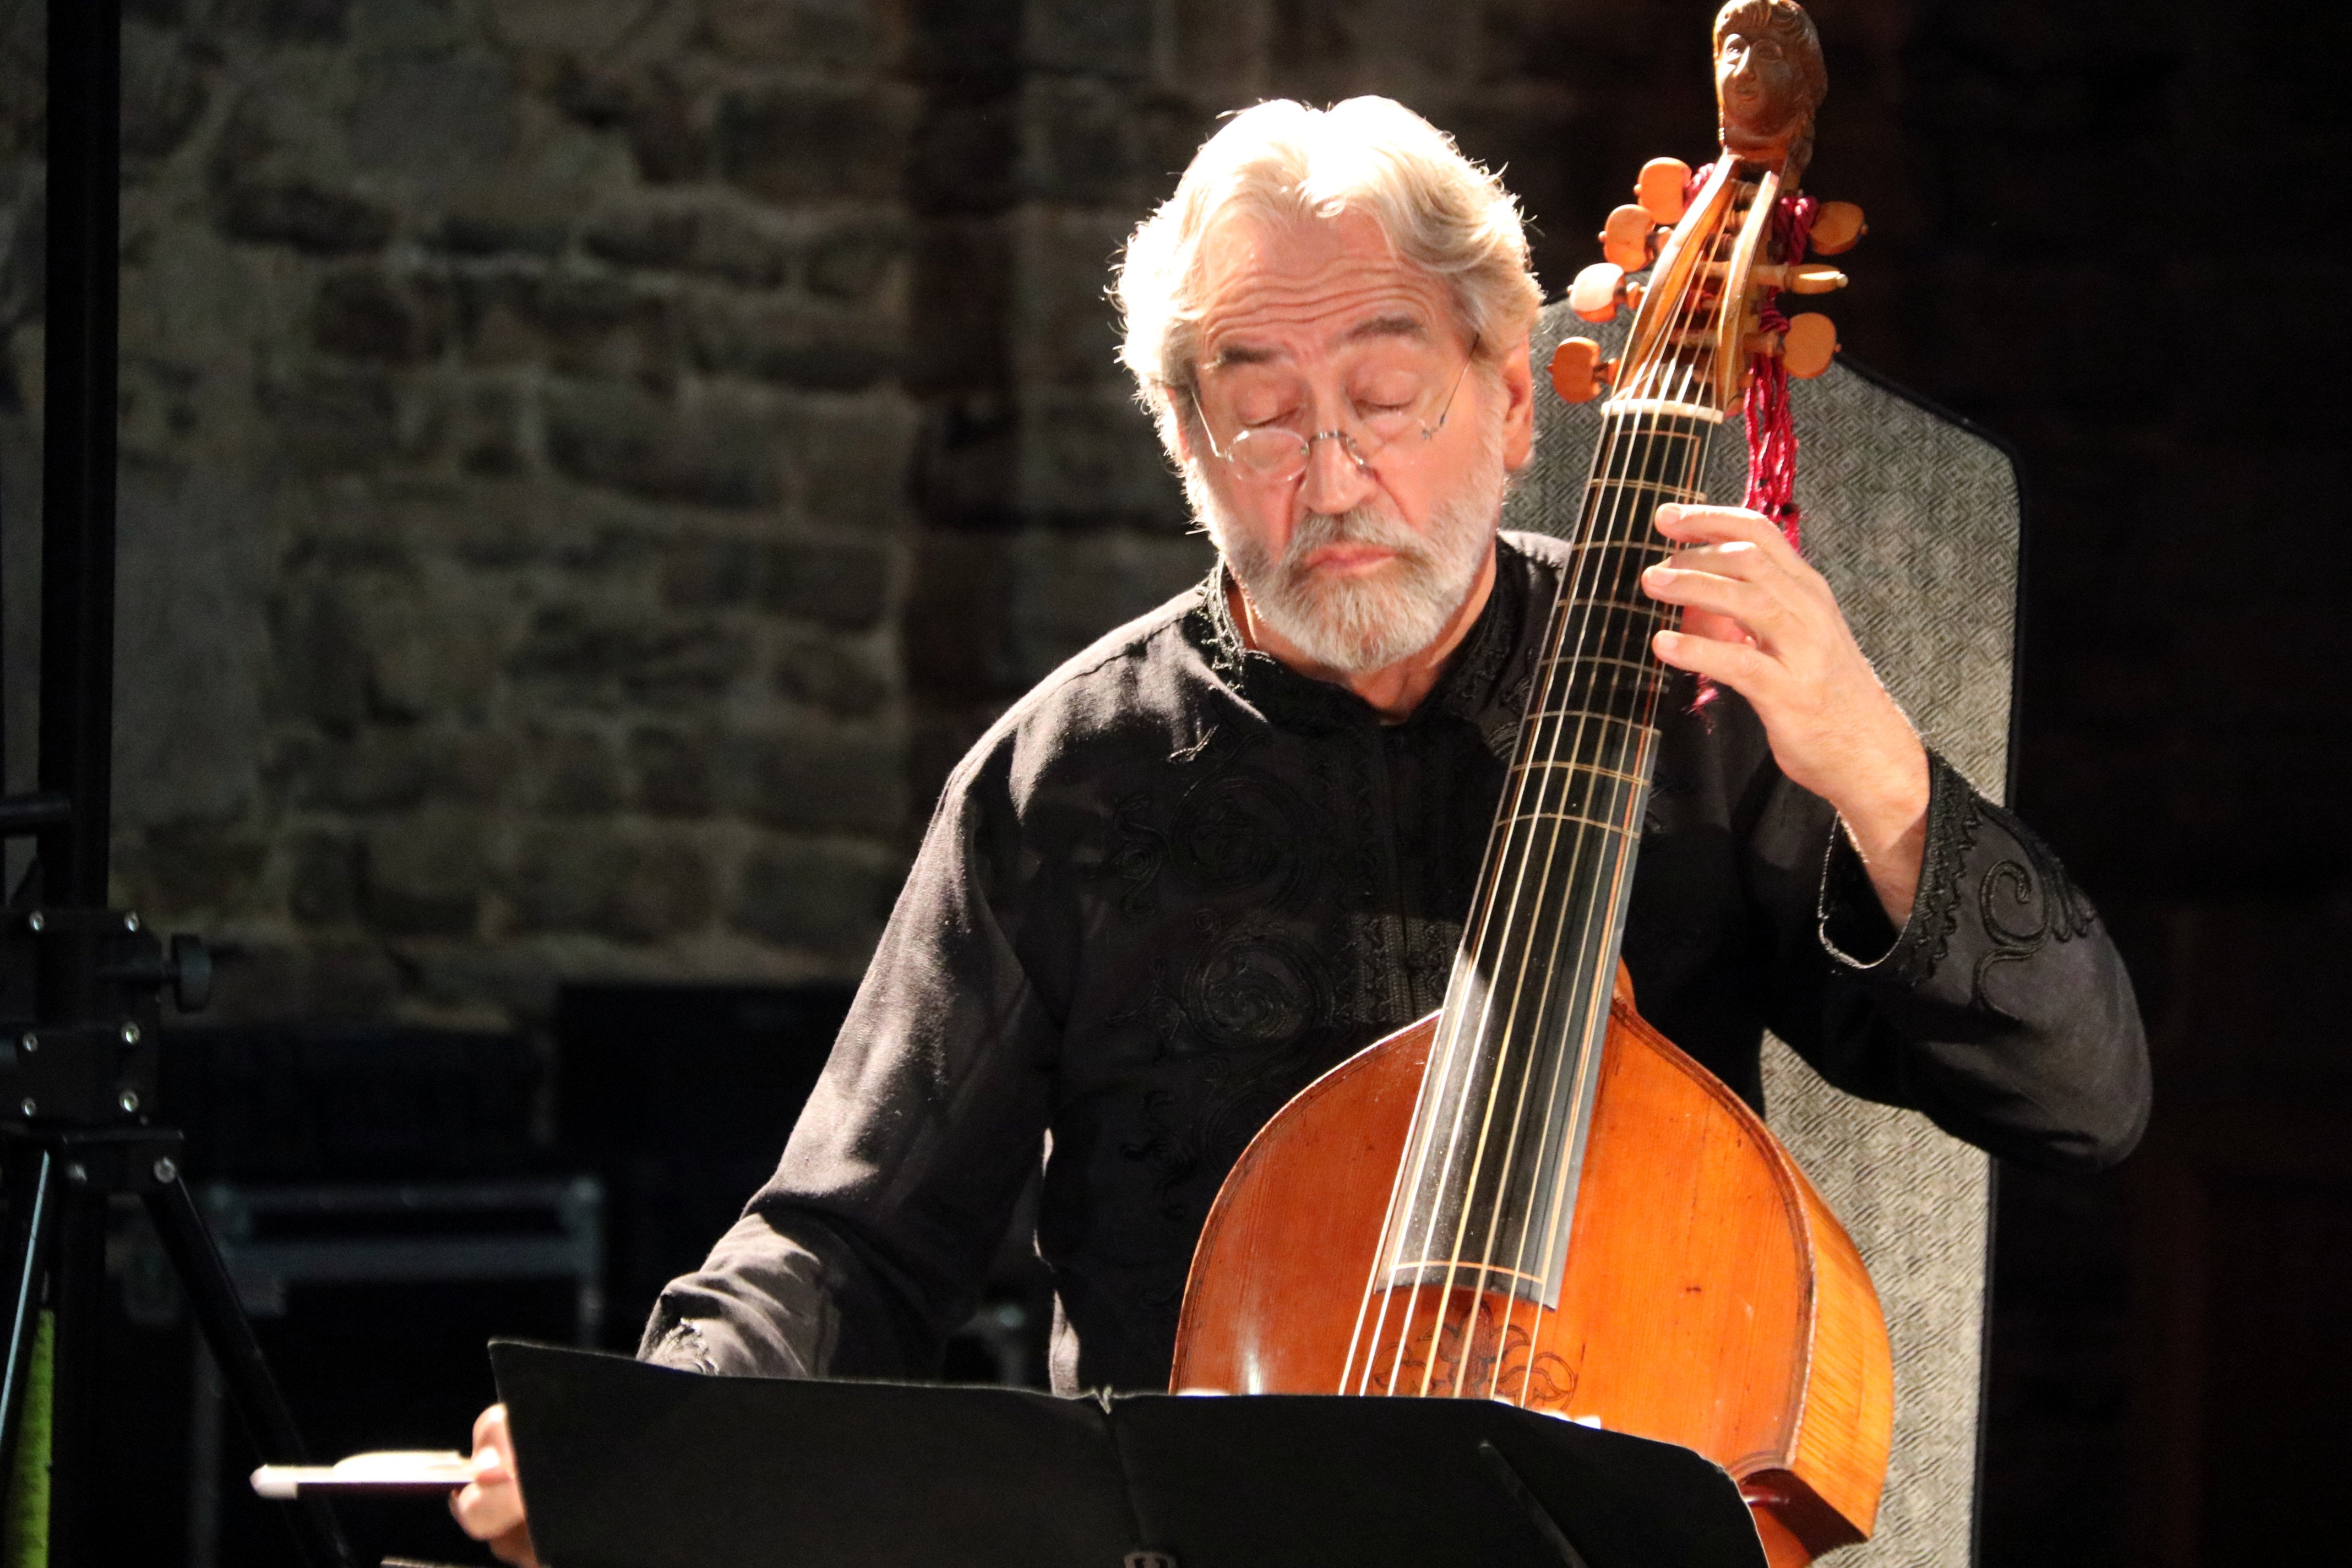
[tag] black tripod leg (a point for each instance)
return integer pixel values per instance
(246, 1376)
(32, 1178)
(81, 1489)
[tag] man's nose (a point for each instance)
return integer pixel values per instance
(1333, 482)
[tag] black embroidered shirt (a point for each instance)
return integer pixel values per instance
(1178, 880)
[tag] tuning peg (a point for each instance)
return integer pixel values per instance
(1799, 279)
(1600, 289)
(1659, 189)
(1805, 349)
(1625, 237)
(1594, 294)
(1577, 371)
(1836, 227)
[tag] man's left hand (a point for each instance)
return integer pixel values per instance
(1760, 619)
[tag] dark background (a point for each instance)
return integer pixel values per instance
(590, 466)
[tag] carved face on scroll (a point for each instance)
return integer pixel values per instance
(1769, 80)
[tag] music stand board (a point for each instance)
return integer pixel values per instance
(624, 1463)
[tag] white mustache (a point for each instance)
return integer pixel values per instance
(1368, 524)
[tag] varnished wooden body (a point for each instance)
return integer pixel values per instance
(1711, 1299)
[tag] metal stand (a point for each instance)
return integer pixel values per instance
(80, 983)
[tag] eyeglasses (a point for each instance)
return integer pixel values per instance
(1272, 455)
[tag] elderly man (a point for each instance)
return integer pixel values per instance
(1235, 841)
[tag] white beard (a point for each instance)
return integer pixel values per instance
(1362, 621)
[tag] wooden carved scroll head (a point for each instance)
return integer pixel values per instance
(1768, 80)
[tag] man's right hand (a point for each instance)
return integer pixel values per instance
(489, 1506)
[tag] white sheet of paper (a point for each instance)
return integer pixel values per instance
(389, 1471)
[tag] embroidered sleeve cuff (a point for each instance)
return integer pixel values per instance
(1855, 928)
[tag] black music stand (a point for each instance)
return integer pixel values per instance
(624, 1463)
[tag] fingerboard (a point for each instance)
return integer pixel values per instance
(1489, 1187)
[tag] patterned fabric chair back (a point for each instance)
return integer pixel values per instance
(1913, 520)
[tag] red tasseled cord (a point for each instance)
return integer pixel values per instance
(1771, 437)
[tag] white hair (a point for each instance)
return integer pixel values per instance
(1282, 160)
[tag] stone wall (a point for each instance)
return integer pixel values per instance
(514, 489)
(590, 465)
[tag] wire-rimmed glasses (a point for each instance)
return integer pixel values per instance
(1273, 454)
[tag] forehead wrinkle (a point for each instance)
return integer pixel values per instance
(1385, 309)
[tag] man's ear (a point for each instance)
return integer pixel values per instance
(1519, 412)
(1176, 431)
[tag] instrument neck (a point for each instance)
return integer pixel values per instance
(1489, 1179)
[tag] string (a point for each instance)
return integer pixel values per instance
(1614, 517)
(1629, 522)
(1599, 552)
(1538, 766)
(1611, 534)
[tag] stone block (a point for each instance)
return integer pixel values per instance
(322, 878)
(489, 227)
(192, 866)
(294, 210)
(641, 235)
(739, 248)
(821, 895)
(575, 771)
(961, 300)
(670, 894)
(787, 342)
(858, 262)
(671, 769)
(715, 454)
(672, 129)
(1069, 589)
(808, 35)
(485, 428)
(573, 323)
(584, 28)
(361, 314)
(321, 661)
(432, 117)
(163, 94)
(852, 457)
(378, 770)
(473, 766)
(193, 576)
(699, 572)
(843, 586)
(717, 241)
(1091, 37)
(566, 880)
(598, 662)
(816, 779)
(1081, 142)
(435, 640)
(847, 679)
(787, 144)
(422, 874)
(1219, 47)
(1063, 329)
(609, 885)
(24, 244)
(1087, 457)
(963, 152)
(956, 643)
(333, 421)
(291, 21)
(950, 42)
